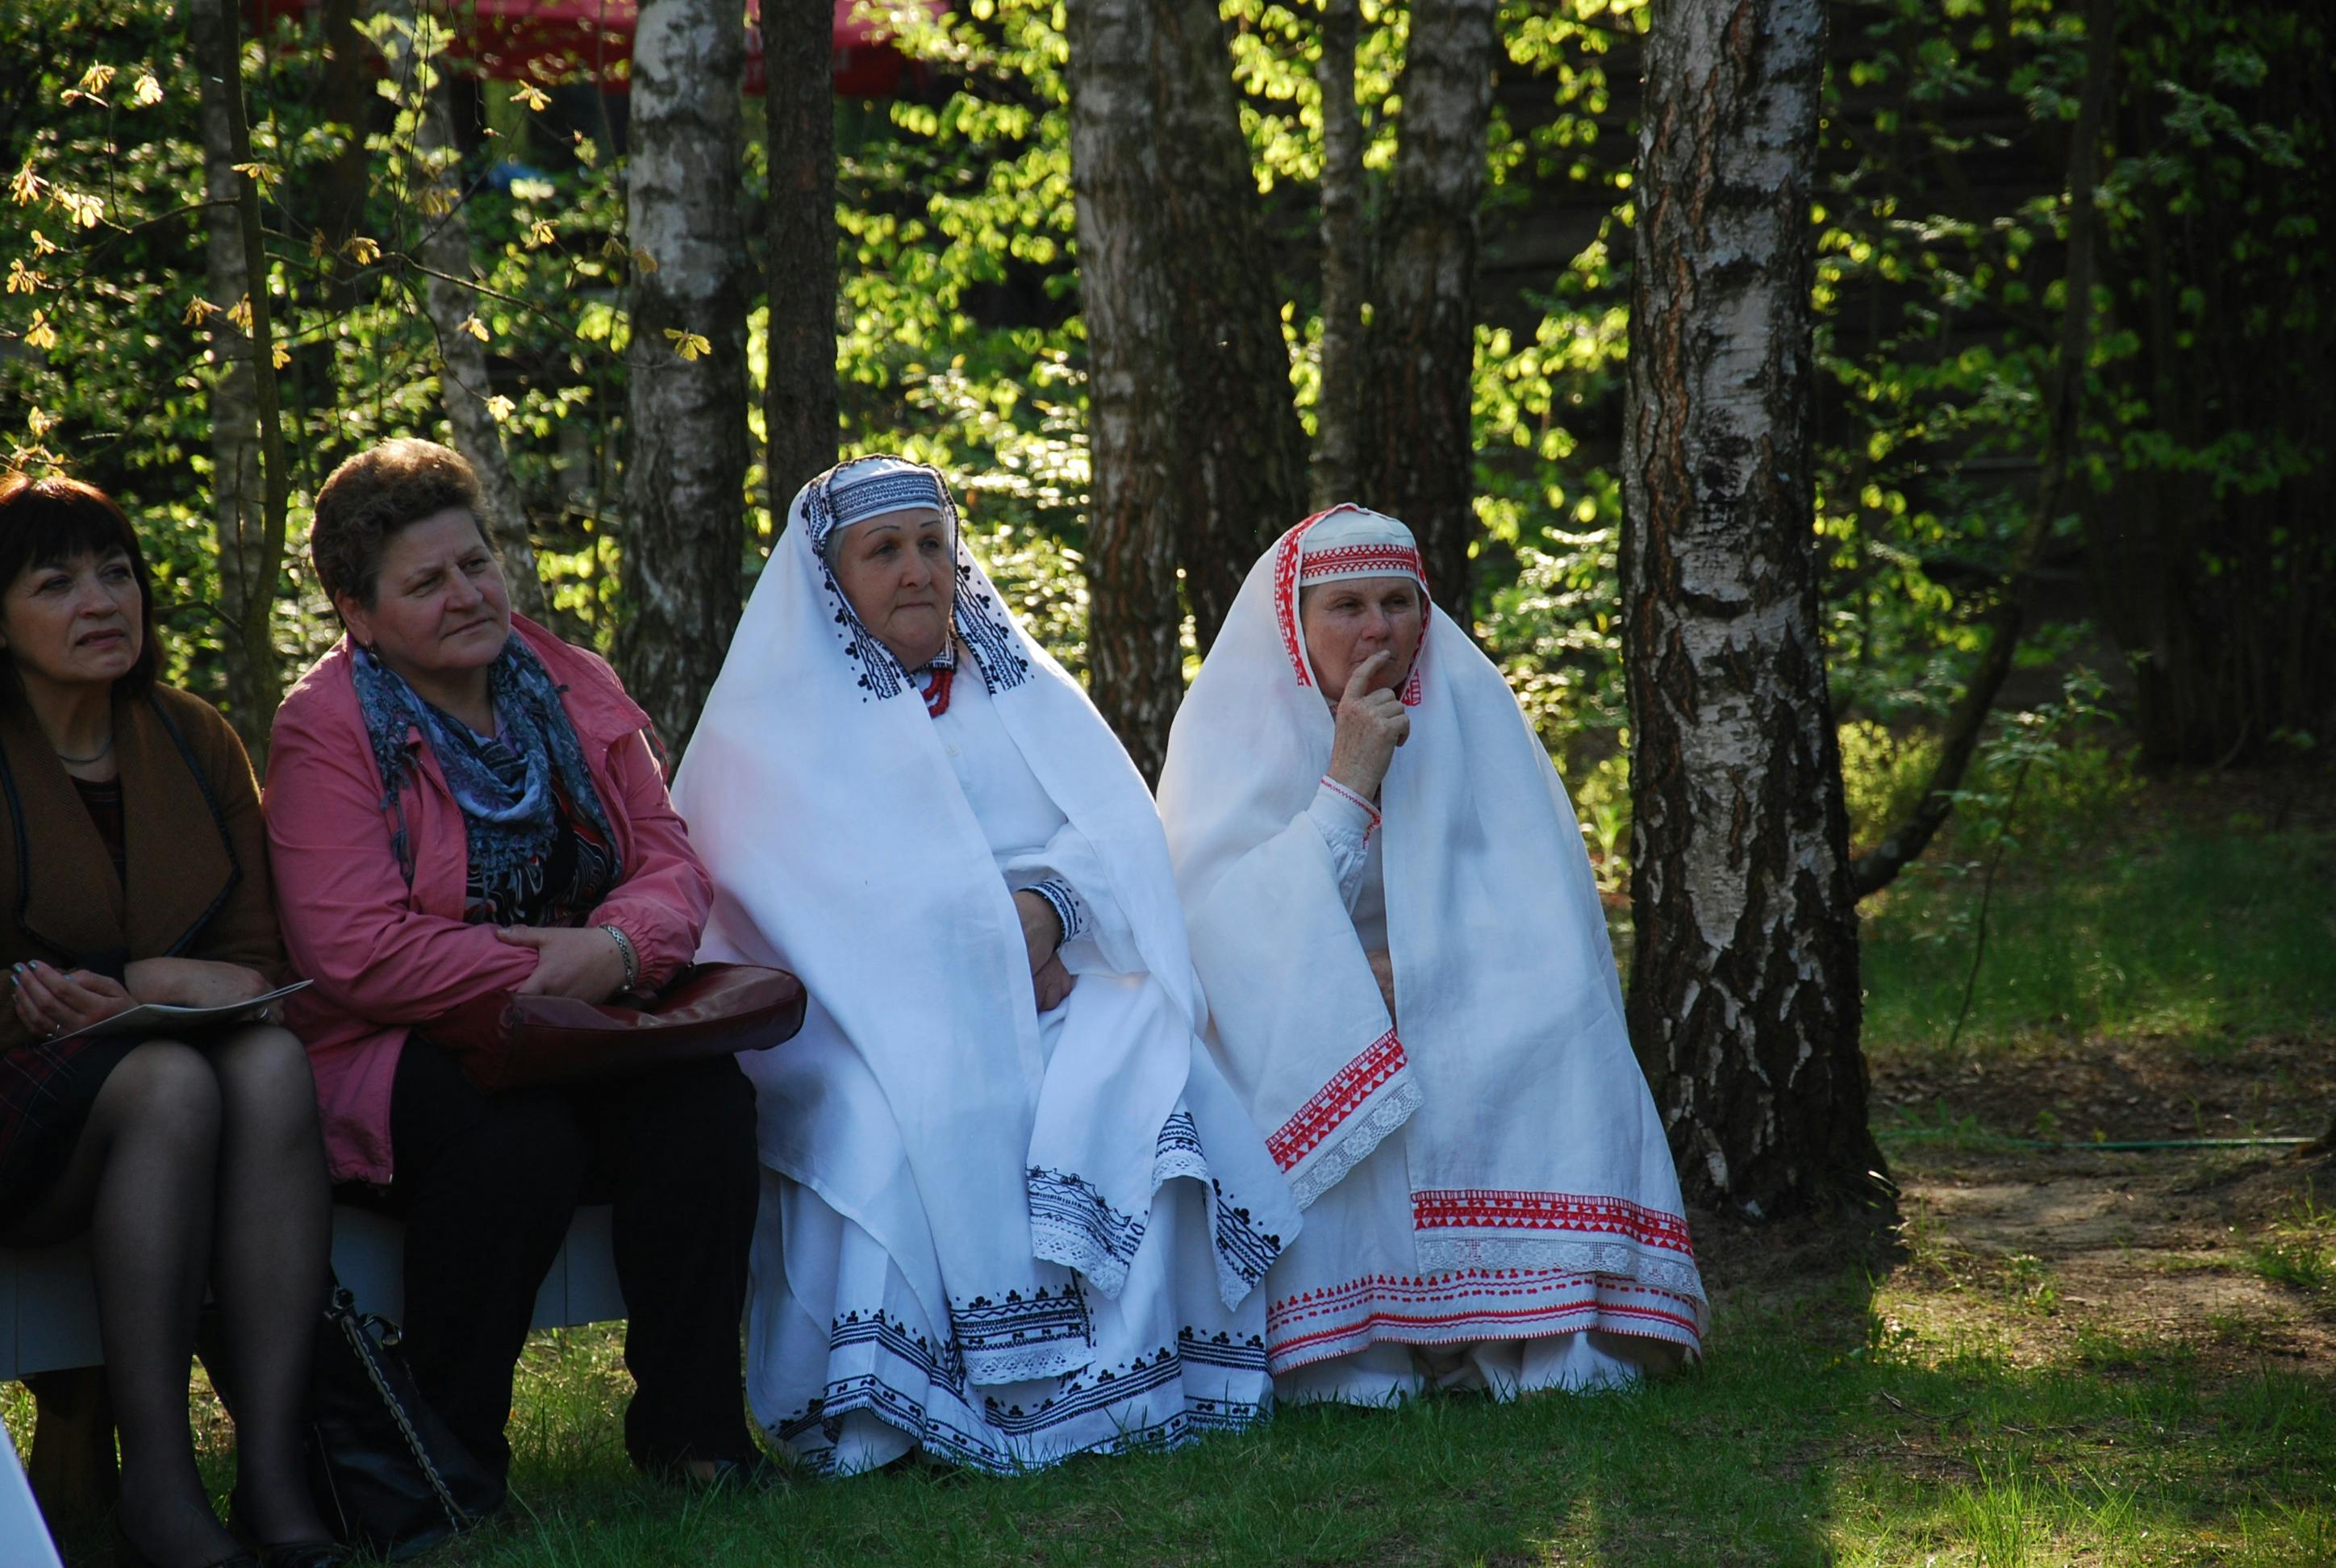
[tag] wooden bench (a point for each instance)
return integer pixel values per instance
(48, 1307)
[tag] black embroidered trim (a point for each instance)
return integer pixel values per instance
(1060, 1200)
(1069, 912)
(982, 1326)
(881, 1392)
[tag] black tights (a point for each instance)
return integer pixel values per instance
(202, 1166)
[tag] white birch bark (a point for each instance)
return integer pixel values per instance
(466, 382)
(685, 468)
(1744, 999)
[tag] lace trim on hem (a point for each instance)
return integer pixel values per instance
(1603, 1255)
(1363, 1136)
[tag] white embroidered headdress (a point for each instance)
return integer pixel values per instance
(1354, 542)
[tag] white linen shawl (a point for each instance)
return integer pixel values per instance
(843, 848)
(1529, 1139)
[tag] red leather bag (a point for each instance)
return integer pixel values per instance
(505, 1040)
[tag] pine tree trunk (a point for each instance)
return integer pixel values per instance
(464, 381)
(1197, 452)
(1744, 999)
(1338, 408)
(685, 468)
(1420, 460)
(249, 494)
(799, 403)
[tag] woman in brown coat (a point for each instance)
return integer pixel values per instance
(133, 869)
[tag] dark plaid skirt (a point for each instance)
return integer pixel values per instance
(45, 1093)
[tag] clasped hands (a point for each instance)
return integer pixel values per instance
(53, 1001)
(1041, 936)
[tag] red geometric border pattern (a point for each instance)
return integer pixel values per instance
(1337, 1100)
(1480, 1208)
(1472, 1303)
(1362, 560)
(1285, 595)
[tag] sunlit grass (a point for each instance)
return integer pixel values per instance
(2214, 938)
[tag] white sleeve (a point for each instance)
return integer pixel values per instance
(1346, 822)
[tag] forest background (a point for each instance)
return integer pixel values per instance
(1396, 242)
(2079, 623)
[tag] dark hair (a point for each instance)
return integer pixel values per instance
(50, 522)
(372, 496)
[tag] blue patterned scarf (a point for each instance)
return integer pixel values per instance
(507, 823)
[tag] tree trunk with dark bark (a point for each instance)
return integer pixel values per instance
(1744, 1000)
(1419, 460)
(249, 487)
(685, 463)
(465, 384)
(1198, 456)
(799, 403)
(1338, 408)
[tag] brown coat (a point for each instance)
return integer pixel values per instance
(196, 849)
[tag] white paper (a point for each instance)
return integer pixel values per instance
(160, 1017)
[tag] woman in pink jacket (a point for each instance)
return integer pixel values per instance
(459, 802)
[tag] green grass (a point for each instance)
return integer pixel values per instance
(2214, 937)
(1842, 1426)
(1961, 1411)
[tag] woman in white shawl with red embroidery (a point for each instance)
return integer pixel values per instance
(1411, 988)
(1010, 1210)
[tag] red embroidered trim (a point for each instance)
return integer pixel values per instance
(1285, 595)
(936, 695)
(1337, 1100)
(1429, 1309)
(1335, 787)
(1360, 560)
(1484, 1210)
(1287, 559)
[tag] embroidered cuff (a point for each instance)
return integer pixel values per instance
(1346, 822)
(1070, 911)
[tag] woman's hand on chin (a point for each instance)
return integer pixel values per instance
(192, 983)
(581, 961)
(58, 1001)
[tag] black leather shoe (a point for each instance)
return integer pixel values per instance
(285, 1553)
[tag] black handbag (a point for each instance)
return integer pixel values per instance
(387, 1473)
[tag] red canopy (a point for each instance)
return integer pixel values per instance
(553, 41)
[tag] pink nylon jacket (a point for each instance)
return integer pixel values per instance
(387, 958)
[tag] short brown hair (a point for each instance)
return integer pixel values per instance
(50, 522)
(372, 496)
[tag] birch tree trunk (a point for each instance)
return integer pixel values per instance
(249, 483)
(799, 403)
(1198, 456)
(1744, 1000)
(464, 382)
(1420, 457)
(685, 469)
(1338, 409)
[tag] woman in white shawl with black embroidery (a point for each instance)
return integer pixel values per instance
(1010, 1211)
(1410, 987)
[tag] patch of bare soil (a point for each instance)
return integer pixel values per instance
(2092, 1256)
(2157, 1249)
(2121, 1090)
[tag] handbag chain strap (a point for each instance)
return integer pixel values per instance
(352, 1326)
